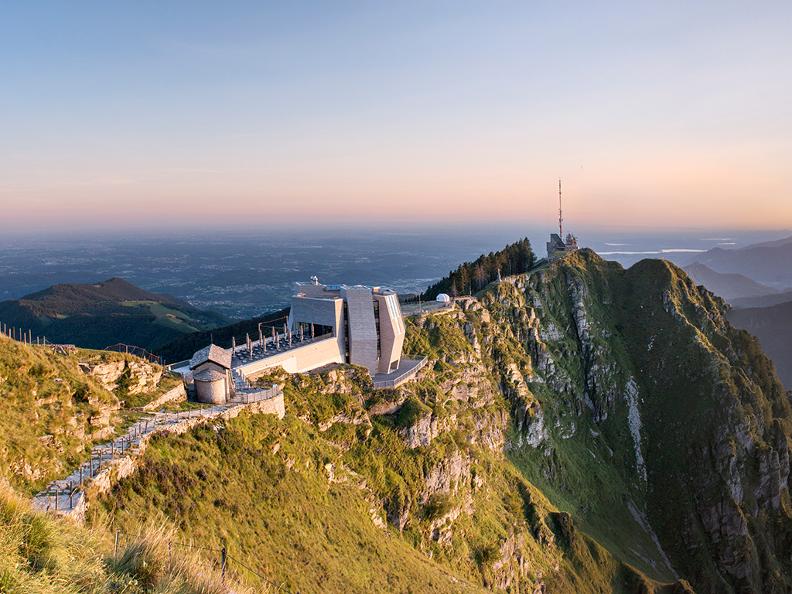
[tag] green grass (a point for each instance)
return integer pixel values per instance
(277, 512)
(49, 411)
(42, 554)
(560, 511)
(166, 383)
(261, 486)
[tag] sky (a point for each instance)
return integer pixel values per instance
(158, 115)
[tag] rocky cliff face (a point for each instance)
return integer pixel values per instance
(127, 375)
(661, 427)
(633, 404)
(54, 404)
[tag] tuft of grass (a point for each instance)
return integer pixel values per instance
(45, 554)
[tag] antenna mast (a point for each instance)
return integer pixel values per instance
(560, 215)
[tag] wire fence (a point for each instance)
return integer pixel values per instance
(26, 336)
(22, 335)
(131, 349)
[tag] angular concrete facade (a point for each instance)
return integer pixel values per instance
(362, 327)
(367, 322)
(391, 331)
(327, 324)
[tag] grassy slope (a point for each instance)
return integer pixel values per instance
(707, 382)
(580, 472)
(46, 404)
(51, 412)
(589, 468)
(46, 555)
(291, 525)
(46, 407)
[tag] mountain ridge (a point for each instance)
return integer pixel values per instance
(765, 262)
(95, 315)
(730, 286)
(578, 428)
(624, 397)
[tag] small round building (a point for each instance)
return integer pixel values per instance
(211, 374)
(443, 298)
(210, 386)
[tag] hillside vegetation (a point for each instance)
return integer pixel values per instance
(54, 406)
(41, 554)
(102, 314)
(309, 508)
(515, 258)
(579, 428)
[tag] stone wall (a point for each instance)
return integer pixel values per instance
(177, 394)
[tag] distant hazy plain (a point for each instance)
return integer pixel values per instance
(241, 275)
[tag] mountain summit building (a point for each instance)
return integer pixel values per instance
(327, 325)
(365, 321)
(557, 247)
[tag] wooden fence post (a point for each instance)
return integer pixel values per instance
(223, 556)
(115, 547)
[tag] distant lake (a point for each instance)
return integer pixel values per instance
(242, 275)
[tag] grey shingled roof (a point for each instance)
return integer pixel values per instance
(212, 353)
(208, 375)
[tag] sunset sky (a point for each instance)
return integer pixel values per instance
(142, 114)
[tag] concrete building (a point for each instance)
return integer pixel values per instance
(327, 324)
(365, 321)
(557, 247)
(211, 372)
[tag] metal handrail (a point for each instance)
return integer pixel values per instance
(391, 383)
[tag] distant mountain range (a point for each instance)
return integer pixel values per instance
(101, 314)
(767, 263)
(739, 276)
(762, 300)
(730, 286)
(773, 327)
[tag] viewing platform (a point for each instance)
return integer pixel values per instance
(408, 369)
(245, 354)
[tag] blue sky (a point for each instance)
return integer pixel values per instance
(132, 113)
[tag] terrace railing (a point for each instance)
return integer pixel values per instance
(398, 379)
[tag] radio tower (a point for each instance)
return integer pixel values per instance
(560, 215)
